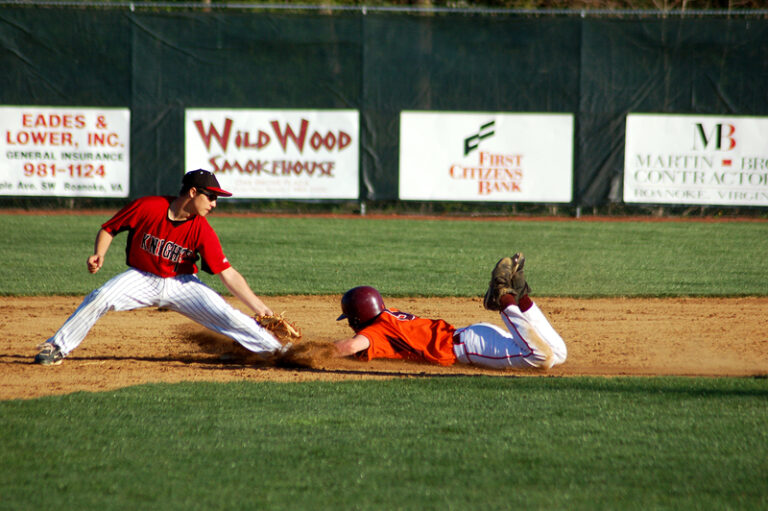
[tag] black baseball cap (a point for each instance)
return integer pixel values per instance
(204, 179)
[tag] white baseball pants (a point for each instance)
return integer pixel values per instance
(530, 341)
(185, 294)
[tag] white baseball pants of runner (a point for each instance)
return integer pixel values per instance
(185, 294)
(529, 341)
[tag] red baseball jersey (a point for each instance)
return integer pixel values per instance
(165, 248)
(396, 334)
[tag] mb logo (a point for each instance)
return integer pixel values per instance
(472, 142)
(718, 137)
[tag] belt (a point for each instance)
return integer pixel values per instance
(459, 349)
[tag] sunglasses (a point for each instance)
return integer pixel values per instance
(211, 196)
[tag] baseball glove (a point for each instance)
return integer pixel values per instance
(282, 328)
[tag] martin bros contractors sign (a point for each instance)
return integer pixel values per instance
(697, 160)
(493, 157)
(288, 154)
(64, 151)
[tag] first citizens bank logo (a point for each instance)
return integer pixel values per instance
(493, 172)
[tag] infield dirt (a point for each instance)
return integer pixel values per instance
(605, 337)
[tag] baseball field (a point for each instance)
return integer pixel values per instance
(662, 403)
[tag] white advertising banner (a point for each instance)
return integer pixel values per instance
(493, 157)
(64, 151)
(281, 154)
(696, 159)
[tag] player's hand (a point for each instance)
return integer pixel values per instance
(95, 262)
(260, 308)
(266, 311)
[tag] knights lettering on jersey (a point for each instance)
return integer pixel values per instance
(151, 244)
(167, 250)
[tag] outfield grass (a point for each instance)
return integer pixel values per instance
(431, 443)
(420, 257)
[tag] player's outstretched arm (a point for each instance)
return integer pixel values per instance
(347, 347)
(237, 285)
(103, 241)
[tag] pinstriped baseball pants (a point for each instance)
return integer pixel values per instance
(185, 294)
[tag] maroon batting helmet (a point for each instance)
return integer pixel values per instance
(361, 305)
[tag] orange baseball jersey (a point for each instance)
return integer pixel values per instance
(396, 334)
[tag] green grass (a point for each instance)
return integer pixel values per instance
(486, 443)
(420, 443)
(407, 257)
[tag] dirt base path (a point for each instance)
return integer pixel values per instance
(605, 337)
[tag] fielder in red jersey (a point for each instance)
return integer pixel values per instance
(165, 248)
(528, 340)
(166, 238)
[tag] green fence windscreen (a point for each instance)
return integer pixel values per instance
(381, 63)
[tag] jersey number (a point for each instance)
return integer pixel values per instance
(401, 316)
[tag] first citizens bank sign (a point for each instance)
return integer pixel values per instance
(491, 156)
(697, 160)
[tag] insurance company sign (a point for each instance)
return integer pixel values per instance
(64, 151)
(301, 154)
(697, 160)
(493, 157)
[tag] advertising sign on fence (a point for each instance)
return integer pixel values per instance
(282, 154)
(696, 159)
(493, 157)
(64, 152)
